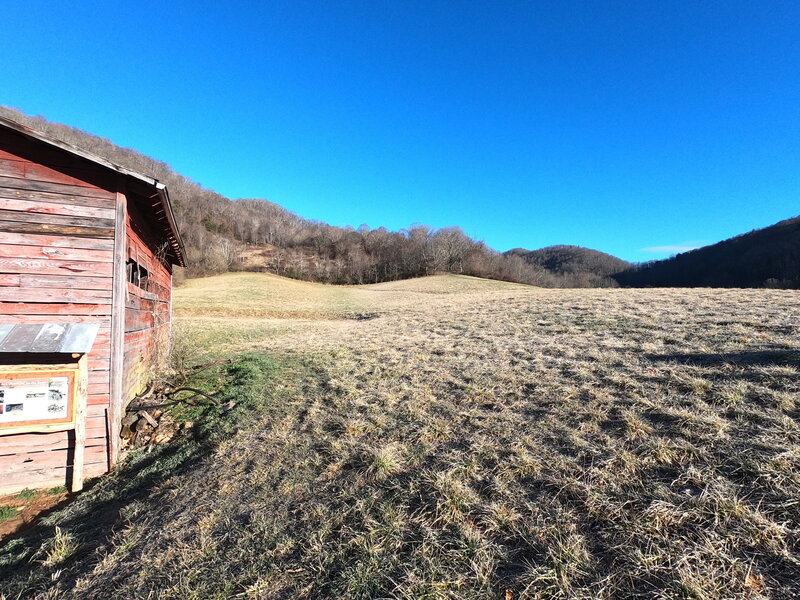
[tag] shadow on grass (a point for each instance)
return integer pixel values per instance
(93, 517)
(760, 358)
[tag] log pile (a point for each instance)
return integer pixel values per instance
(148, 428)
(148, 421)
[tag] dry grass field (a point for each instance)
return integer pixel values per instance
(449, 438)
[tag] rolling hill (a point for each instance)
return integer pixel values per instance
(768, 257)
(222, 235)
(592, 267)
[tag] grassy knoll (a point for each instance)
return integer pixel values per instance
(450, 438)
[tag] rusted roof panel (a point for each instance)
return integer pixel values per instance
(48, 338)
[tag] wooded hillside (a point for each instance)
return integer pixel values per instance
(768, 257)
(221, 235)
(590, 268)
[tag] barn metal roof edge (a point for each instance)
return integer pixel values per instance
(176, 241)
(48, 338)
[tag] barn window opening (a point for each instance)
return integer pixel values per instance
(137, 274)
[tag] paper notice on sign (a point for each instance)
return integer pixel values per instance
(35, 399)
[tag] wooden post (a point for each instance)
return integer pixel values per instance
(120, 287)
(81, 402)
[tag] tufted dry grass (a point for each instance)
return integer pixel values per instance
(451, 438)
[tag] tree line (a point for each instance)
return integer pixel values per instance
(315, 251)
(768, 257)
(218, 231)
(220, 235)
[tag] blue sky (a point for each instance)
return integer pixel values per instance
(620, 126)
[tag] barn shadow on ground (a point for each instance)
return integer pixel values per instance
(32, 559)
(93, 517)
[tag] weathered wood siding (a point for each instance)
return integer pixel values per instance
(147, 307)
(56, 264)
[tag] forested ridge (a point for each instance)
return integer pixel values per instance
(589, 268)
(221, 235)
(768, 257)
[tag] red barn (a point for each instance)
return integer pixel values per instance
(82, 241)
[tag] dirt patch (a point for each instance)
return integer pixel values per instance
(29, 509)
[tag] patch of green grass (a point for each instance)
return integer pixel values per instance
(26, 494)
(59, 548)
(61, 489)
(7, 513)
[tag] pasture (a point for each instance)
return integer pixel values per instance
(451, 437)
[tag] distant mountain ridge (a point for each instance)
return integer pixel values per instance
(768, 257)
(593, 266)
(221, 234)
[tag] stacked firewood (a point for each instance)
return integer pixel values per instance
(148, 427)
(148, 421)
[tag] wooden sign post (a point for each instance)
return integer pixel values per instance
(80, 424)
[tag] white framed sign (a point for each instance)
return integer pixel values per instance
(37, 400)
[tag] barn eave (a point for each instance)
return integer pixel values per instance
(165, 220)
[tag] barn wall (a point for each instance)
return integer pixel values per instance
(56, 264)
(147, 307)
